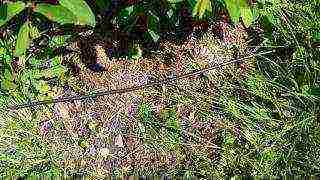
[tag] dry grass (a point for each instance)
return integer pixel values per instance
(98, 125)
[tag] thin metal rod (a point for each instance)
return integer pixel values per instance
(134, 88)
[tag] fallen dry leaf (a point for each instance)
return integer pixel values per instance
(63, 110)
(119, 141)
(104, 152)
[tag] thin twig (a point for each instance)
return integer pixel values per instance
(125, 90)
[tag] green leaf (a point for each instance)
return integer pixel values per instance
(153, 23)
(35, 74)
(8, 75)
(7, 81)
(34, 32)
(247, 16)
(136, 52)
(315, 91)
(23, 40)
(201, 7)
(129, 10)
(56, 61)
(174, 1)
(56, 13)
(233, 9)
(9, 10)
(58, 71)
(192, 3)
(59, 40)
(81, 10)
(240, 8)
(155, 36)
(316, 36)
(26, 33)
(44, 97)
(124, 16)
(2, 51)
(7, 84)
(42, 86)
(103, 4)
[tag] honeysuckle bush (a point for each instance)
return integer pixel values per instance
(26, 75)
(21, 74)
(29, 78)
(63, 12)
(148, 14)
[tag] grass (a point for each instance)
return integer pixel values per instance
(259, 117)
(23, 151)
(279, 124)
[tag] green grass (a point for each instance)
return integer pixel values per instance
(265, 122)
(280, 123)
(23, 151)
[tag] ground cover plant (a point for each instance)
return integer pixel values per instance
(237, 92)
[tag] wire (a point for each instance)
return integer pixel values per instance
(134, 88)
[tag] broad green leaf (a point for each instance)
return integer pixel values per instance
(11, 9)
(23, 40)
(124, 15)
(56, 71)
(201, 7)
(26, 33)
(315, 91)
(136, 52)
(58, 40)
(233, 9)
(81, 10)
(239, 8)
(56, 13)
(44, 97)
(272, 19)
(246, 15)
(3, 11)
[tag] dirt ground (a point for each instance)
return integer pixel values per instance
(106, 135)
